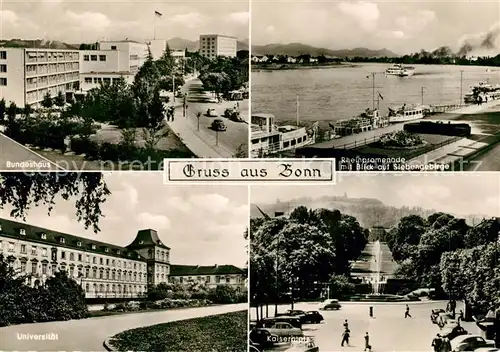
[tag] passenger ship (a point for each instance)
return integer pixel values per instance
(406, 113)
(269, 139)
(400, 70)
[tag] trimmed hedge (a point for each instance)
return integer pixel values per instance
(119, 152)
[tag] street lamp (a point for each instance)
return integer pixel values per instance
(198, 114)
(276, 277)
(217, 137)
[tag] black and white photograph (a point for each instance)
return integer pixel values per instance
(377, 263)
(113, 85)
(120, 262)
(404, 86)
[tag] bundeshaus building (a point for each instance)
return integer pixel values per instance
(103, 269)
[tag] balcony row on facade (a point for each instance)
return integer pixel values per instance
(48, 69)
(56, 79)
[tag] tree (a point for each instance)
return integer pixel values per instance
(60, 99)
(27, 111)
(154, 129)
(2, 109)
(22, 191)
(47, 101)
(13, 126)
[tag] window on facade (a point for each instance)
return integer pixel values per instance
(228, 280)
(61, 239)
(54, 268)
(93, 246)
(44, 268)
(3, 81)
(113, 275)
(106, 80)
(85, 58)
(113, 262)
(23, 267)
(102, 57)
(87, 288)
(107, 261)
(94, 260)
(71, 256)
(44, 252)
(106, 250)
(23, 248)
(101, 261)
(33, 250)
(107, 274)
(3, 55)
(80, 257)
(22, 232)
(87, 272)
(87, 258)
(34, 267)
(3, 68)
(113, 47)
(63, 255)
(79, 244)
(217, 279)
(101, 273)
(88, 79)
(93, 57)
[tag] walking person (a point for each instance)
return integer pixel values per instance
(367, 343)
(345, 337)
(407, 312)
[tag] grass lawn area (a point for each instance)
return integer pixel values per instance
(223, 332)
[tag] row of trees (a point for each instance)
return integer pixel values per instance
(221, 294)
(431, 58)
(294, 255)
(223, 75)
(443, 252)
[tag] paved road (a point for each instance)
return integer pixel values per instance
(228, 141)
(366, 265)
(388, 329)
(89, 334)
(14, 156)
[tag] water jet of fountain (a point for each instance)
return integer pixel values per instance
(377, 256)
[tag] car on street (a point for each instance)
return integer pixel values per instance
(294, 321)
(313, 317)
(452, 331)
(211, 113)
(443, 318)
(262, 339)
(212, 100)
(467, 343)
(218, 125)
(435, 314)
(284, 330)
(330, 304)
(299, 346)
(299, 314)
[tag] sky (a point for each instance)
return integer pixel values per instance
(76, 21)
(458, 194)
(403, 26)
(203, 225)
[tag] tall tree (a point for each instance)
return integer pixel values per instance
(47, 101)
(60, 99)
(155, 126)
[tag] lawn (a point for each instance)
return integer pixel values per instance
(224, 332)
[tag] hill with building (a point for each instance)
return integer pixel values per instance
(297, 49)
(369, 212)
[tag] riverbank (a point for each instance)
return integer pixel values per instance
(256, 67)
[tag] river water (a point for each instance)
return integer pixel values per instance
(329, 94)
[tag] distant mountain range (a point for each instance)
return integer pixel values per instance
(369, 212)
(174, 43)
(296, 49)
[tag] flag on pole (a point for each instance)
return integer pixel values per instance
(158, 14)
(380, 95)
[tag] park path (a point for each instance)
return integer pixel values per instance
(89, 334)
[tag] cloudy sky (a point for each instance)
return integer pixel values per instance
(459, 194)
(203, 225)
(401, 26)
(76, 21)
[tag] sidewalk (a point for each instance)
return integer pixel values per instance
(195, 140)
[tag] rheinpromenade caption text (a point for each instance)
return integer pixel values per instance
(246, 171)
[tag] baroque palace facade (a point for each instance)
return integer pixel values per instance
(104, 270)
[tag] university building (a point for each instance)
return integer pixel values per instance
(213, 45)
(103, 270)
(26, 75)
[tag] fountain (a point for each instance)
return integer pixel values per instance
(376, 267)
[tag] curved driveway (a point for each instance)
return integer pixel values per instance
(89, 334)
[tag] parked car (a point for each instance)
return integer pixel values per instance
(267, 322)
(284, 330)
(211, 113)
(487, 349)
(469, 343)
(299, 314)
(435, 315)
(308, 346)
(451, 331)
(262, 338)
(330, 304)
(443, 318)
(313, 317)
(212, 100)
(218, 125)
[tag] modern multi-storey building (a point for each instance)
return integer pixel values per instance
(102, 269)
(112, 61)
(27, 75)
(213, 45)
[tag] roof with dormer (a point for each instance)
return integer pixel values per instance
(183, 270)
(146, 238)
(12, 229)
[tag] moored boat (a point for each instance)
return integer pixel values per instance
(406, 113)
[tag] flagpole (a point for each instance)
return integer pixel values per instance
(154, 26)
(297, 112)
